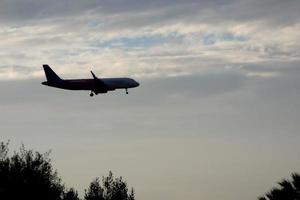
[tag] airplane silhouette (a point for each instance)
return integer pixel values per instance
(95, 85)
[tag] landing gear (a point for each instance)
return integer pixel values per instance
(126, 91)
(91, 94)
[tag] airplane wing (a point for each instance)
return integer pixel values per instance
(100, 86)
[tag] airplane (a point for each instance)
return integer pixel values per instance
(95, 85)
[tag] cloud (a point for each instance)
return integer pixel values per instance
(133, 38)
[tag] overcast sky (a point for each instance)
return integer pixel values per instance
(216, 115)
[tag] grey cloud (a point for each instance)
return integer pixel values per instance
(123, 13)
(276, 12)
(21, 69)
(284, 68)
(30, 10)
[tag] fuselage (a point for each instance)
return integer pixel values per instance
(92, 85)
(95, 85)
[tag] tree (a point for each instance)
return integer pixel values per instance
(95, 191)
(29, 175)
(72, 194)
(288, 190)
(112, 189)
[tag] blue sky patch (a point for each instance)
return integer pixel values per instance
(213, 38)
(137, 42)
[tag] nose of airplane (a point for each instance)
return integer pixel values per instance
(137, 84)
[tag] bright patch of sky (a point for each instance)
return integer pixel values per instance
(146, 41)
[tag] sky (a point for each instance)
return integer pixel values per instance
(216, 115)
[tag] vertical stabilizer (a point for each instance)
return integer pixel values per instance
(50, 74)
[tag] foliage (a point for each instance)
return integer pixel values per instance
(288, 190)
(29, 175)
(112, 189)
(71, 194)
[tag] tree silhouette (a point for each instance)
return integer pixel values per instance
(288, 190)
(29, 175)
(95, 191)
(71, 194)
(112, 189)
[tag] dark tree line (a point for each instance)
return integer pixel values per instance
(29, 175)
(287, 190)
(112, 189)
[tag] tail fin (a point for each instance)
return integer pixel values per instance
(50, 74)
